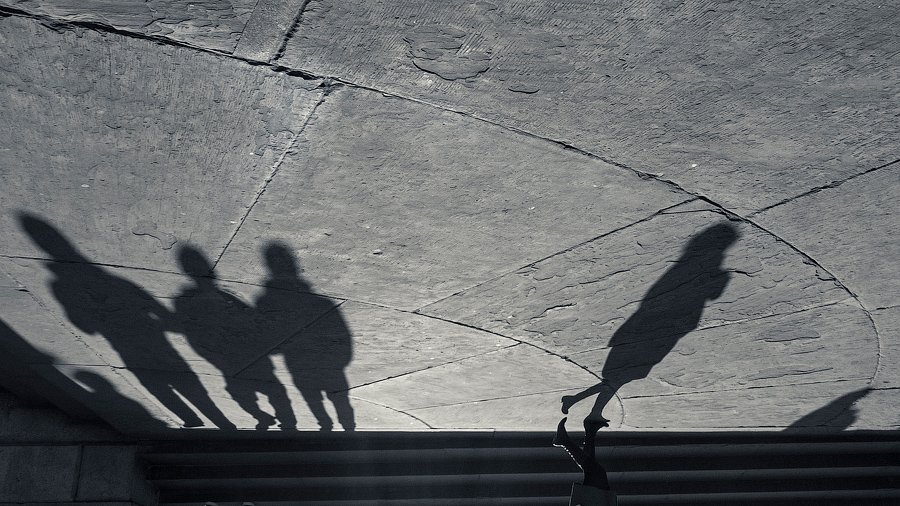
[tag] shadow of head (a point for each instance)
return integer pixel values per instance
(194, 263)
(48, 238)
(283, 265)
(712, 241)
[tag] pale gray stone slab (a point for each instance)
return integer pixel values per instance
(777, 408)
(850, 230)
(389, 201)
(533, 412)
(577, 300)
(747, 102)
(826, 344)
(887, 321)
(134, 148)
(374, 343)
(213, 25)
(510, 372)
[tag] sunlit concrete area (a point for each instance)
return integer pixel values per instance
(275, 219)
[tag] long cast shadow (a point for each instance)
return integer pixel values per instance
(130, 319)
(221, 327)
(317, 355)
(670, 309)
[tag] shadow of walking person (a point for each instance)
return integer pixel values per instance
(133, 322)
(669, 310)
(316, 355)
(221, 328)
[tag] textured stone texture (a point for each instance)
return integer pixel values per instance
(849, 230)
(391, 202)
(214, 24)
(887, 321)
(419, 254)
(571, 302)
(747, 102)
(20, 483)
(136, 145)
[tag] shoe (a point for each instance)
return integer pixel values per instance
(592, 425)
(567, 402)
(561, 438)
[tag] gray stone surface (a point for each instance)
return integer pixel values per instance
(136, 145)
(887, 321)
(20, 483)
(849, 229)
(396, 203)
(573, 302)
(107, 473)
(419, 247)
(747, 102)
(214, 24)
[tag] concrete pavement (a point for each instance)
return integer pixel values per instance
(450, 216)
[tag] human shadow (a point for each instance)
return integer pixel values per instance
(130, 319)
(837, 415)
(18, 361)
(670, 309)
(222, 329)
(317, 354)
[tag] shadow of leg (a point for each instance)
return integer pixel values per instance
(316, 405)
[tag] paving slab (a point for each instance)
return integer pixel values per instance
(746, 102)
(514, 371)
(647, 279)
(392, 202)
(139, 146)
(210, 24)
(775, 408)
(373, 344)
(848, 229)
(525, 412)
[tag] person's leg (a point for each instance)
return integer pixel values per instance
(190, 387)
(245, 397)
(570, 400)
(563, 440)
(279, 400)
(594, 473)
(313, 398)
(166, 396)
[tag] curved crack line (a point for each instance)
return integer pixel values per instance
(414, 417)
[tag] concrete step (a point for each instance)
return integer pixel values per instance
(477, 468)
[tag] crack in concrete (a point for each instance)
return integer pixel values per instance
(833, 184)
(436, 366)
(839, 283)
(744, 388)
(272, 348)
(423, 422)
(272, 173)
(742, 320)
(500, 398)
(237, 43)
(295, 24)
(519, 341)
(555, 254)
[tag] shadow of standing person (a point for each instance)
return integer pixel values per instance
(317, 355)
(669, 310)
(221, 328)
(133, 322)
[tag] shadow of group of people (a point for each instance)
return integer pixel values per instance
(227, 332)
